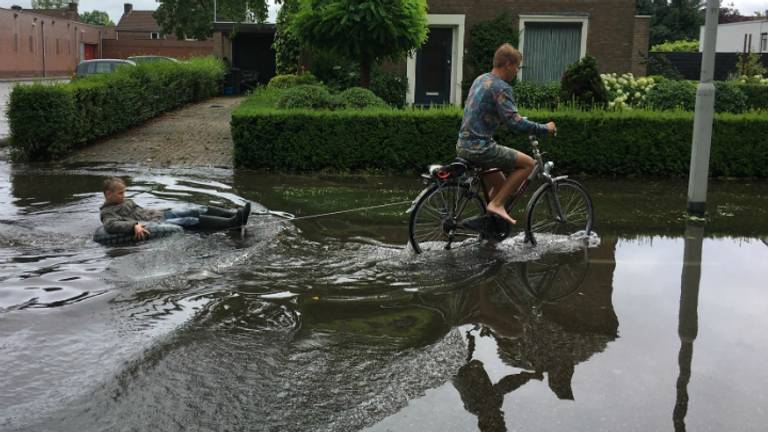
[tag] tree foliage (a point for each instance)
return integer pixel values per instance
(49, 4)
(367, 31)
(96, 17)
(194, 18)
(582, 84)
(485, 37)
(286, 45)
(672, 19)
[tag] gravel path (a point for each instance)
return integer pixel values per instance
(196, 135)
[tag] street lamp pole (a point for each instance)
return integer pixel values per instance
(214, 11)
(704, 116)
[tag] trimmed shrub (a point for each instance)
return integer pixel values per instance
(582, 84)
(756, 96)
(537, 95)
(291, 80)
(729, 98)
(48, 121)
(306, 96)
(670, 95)
(596, 142)
(683, 45)
(391, 87)
(358, 97)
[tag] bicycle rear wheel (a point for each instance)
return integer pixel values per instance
(562, 209)
(435, 219)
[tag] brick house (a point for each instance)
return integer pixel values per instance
(553, 34)
(138, 33)
(46, 43)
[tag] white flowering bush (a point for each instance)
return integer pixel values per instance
(625, 91)
(754, 79)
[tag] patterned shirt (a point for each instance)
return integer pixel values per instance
(489, 104)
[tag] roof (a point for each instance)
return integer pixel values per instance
(754, 21)
(65, 13)
(138, 20)
(232, 27)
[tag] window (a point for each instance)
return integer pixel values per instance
(154, 35)
(763, 42)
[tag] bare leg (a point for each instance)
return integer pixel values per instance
(493, 183)
(523, 167)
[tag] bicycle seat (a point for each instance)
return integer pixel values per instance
(451, 170)
(470, 165)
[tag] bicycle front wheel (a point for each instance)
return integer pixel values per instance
(562, 208)
(436, 218)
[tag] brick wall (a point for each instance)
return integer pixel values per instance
(123, 48)
(33, 45)
(640, 45)
(611, 33)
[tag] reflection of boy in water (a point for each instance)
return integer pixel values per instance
(120, 215)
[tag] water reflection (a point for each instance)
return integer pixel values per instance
(688, 325)
(548, 326)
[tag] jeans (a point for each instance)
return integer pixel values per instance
(183, 218)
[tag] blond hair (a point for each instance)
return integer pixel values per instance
(112, 183)
(506, 53)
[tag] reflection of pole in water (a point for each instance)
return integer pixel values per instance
(688, 325)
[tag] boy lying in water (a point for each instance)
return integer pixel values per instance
(120, 215)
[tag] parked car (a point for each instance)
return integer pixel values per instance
(151, 58)
(99, 66)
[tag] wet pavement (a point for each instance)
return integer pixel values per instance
(332, 324)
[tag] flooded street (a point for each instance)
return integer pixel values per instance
(332, 324)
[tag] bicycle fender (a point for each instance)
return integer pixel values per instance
(419, 197)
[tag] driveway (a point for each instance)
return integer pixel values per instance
(196, 135)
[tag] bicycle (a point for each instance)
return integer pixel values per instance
(452, 207)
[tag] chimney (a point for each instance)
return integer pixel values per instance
(127, 8)
(16, 7)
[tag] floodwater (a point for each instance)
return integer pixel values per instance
(331, 324)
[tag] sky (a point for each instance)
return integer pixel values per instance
(115, 7)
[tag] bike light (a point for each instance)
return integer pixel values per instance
(548, 166)
(433, 169)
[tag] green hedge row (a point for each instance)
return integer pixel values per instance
(49, 121)
(596, 142)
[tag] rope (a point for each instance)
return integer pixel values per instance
(290, 216)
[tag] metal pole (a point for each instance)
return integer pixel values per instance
(702, 122)
(214, 11)
(688, 318)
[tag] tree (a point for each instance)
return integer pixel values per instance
(194, 18)
(50, 4)
(96, 17)
(286, 45)
(730, 14)
(367, 31)
(672, 19)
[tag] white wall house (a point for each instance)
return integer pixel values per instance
(749, 36)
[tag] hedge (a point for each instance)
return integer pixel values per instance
(49, 121)
(596, 142)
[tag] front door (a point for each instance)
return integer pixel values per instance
(89, 52)
(433, 68)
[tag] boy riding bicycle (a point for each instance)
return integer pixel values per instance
(490, 103)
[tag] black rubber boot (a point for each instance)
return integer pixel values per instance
(246, 213)
(215, 223)
(220, 212)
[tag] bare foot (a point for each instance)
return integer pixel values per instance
(500, 212)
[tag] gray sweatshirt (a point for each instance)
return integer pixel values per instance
(121, 218)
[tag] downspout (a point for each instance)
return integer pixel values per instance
(42, 31)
